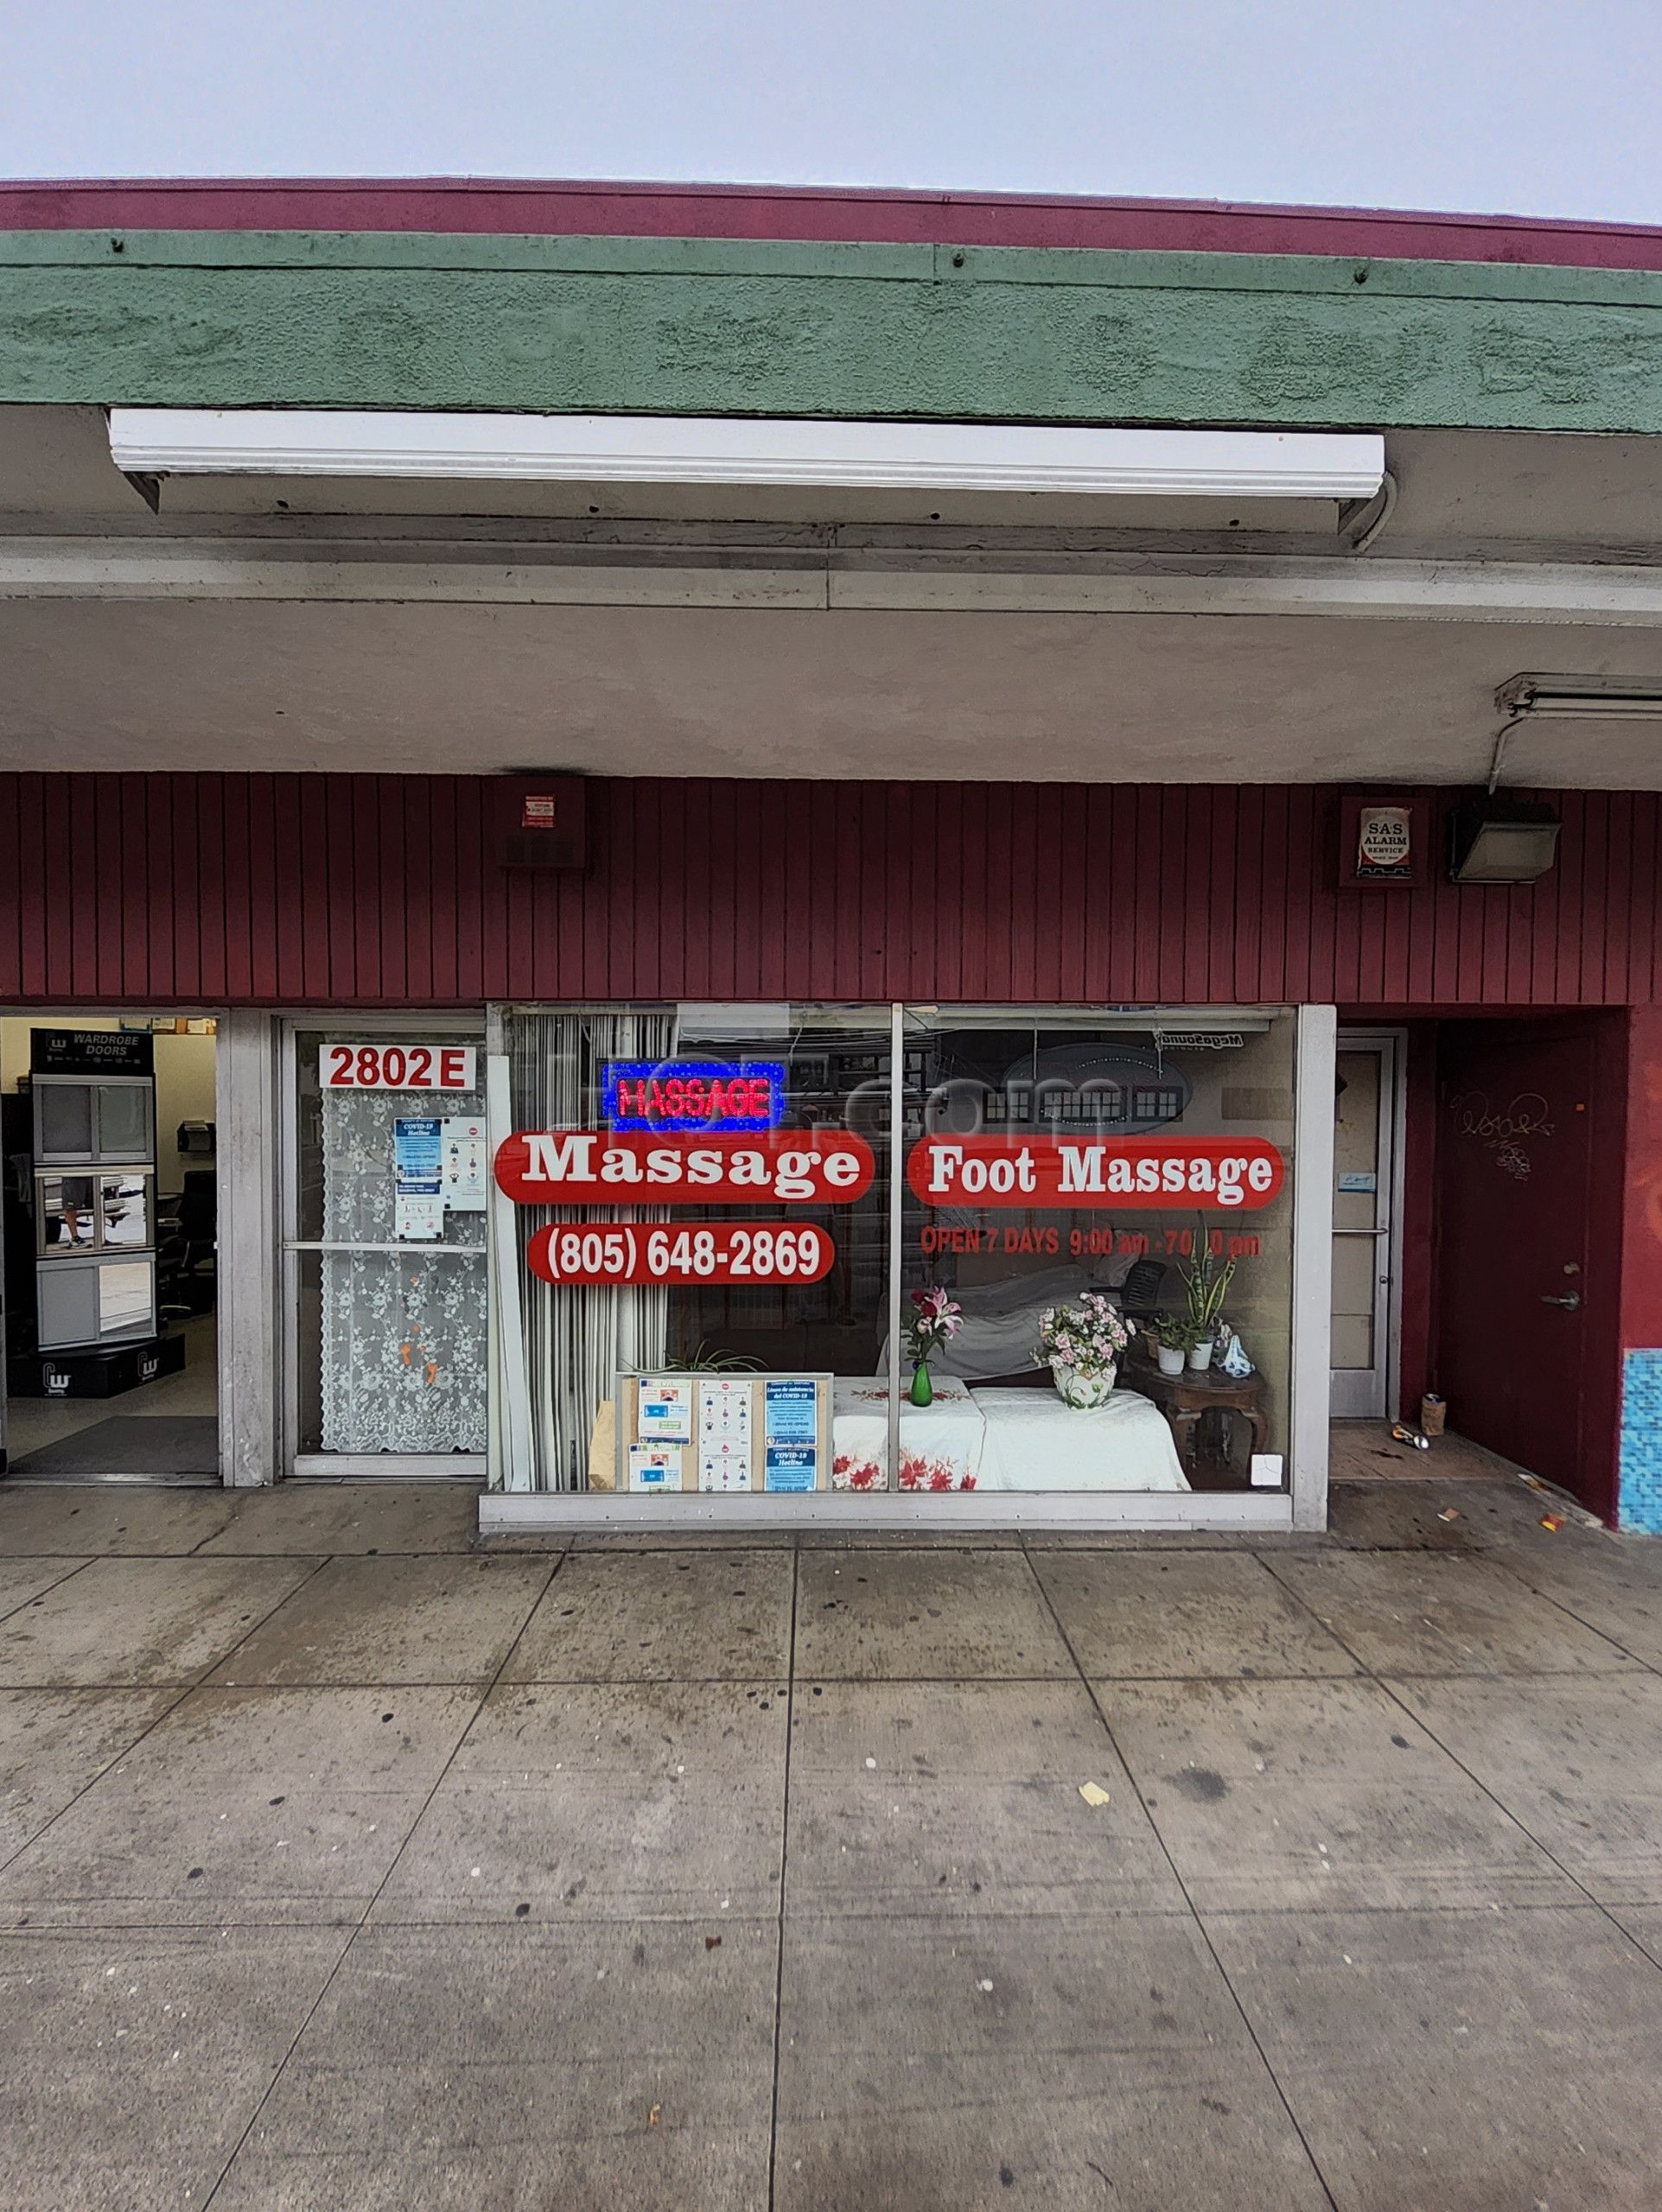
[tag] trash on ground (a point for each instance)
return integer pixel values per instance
(712, 1943)
(1094, 1794)
(1449, 1513)
(1552, 1520)
(654, 2115)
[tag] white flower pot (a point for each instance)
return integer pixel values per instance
(1200, 1357)
(1170, 1359)
(1082, 1391)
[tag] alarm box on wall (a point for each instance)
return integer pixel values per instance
(541, 822)
(1381, 842)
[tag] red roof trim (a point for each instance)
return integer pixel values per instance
(721, 211)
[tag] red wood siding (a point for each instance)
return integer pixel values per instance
(380, 890)
(496, 206)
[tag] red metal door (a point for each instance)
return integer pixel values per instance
(1514, 1153)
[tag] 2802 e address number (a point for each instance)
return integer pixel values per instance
(397, 1067)
(631, 1252)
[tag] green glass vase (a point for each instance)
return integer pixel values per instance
(923, 1391)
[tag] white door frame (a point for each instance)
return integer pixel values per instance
(1392, 1043)
(245, 1103)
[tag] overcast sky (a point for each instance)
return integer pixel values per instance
(1544, 107)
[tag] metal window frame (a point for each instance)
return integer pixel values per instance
(1393, 1117)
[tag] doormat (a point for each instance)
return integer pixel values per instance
(146, 1447)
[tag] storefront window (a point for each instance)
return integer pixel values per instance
(761, 1132)
(1105, 1207)
(1093, 1270)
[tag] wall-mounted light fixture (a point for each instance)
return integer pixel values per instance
(1501, 840)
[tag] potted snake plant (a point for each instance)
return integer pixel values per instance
(1207, 1283)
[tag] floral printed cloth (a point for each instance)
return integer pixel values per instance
(940, 1444)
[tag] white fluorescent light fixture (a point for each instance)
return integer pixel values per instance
(736, 450)
(1592, 698)
(1568, 698)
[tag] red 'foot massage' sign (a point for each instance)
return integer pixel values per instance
(1132, 1172)
(595, 1167)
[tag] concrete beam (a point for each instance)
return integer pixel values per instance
(375, 572)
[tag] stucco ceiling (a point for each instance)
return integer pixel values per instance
(110, 674)
(724, 691)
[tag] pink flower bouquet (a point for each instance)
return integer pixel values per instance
(934, 1320)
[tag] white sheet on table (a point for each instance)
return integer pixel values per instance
(1033, 1441)
(947, 1432)
(1000, 1335)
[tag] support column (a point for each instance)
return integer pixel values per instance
(1318, 1032)
(248, 1260)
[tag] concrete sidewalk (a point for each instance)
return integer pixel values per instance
(343, 1867)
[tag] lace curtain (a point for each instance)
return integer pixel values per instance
(575, 1340)
(404, 1349)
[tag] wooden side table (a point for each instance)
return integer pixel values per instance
(1184, 1398)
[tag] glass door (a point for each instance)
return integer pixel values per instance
(1364, 1202)
(386, 1305)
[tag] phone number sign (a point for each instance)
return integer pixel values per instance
(728, 1252)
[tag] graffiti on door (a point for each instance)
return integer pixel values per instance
(1504, 1132)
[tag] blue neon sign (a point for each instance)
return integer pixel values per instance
(690, 1096)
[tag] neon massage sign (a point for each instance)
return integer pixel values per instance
(692, 1096)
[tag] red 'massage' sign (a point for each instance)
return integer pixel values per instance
(1136, 1173)
(595, 1167)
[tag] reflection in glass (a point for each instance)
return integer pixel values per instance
(125, 1300)
(125, 1204)
(68, 1221)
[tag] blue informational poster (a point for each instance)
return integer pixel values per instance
(792, 1466)
(418, 1205)
(417, 1155)
(792, 1410)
